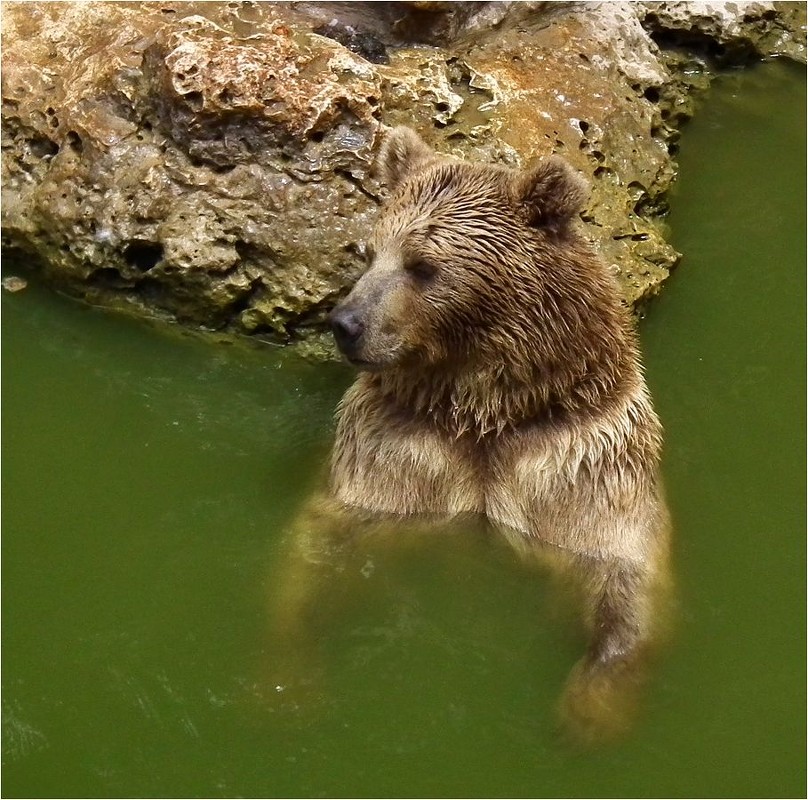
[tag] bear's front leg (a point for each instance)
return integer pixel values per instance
(625, 606)
(618, 598)
(302, 597)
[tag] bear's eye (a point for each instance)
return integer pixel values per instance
(421, 270)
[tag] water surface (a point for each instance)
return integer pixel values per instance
(149, 476)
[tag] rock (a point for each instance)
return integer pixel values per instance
(13, 283)
(730, 32)
(185, 168)
(212, 162)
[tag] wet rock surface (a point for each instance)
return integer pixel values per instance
(211, 162)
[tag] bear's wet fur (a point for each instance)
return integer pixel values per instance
(500, 376)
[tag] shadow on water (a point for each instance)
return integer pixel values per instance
(147, 478)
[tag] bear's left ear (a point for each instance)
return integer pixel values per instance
(401, 152)
(550, 193)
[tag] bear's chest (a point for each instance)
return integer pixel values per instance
(406, 471)
(386, 462)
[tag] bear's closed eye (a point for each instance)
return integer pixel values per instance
(422, 270)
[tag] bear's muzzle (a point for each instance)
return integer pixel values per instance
(347, 329)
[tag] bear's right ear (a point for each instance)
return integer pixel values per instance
(550, 193)
(401, 152)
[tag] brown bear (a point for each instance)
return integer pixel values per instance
(500, 376)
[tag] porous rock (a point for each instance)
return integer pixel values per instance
(212, 161)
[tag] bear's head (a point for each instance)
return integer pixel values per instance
(461, 260)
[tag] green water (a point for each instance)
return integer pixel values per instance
(148, 477)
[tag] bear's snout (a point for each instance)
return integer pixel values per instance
(347, 328)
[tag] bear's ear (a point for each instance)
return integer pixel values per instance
(549, 193)
(401, 152)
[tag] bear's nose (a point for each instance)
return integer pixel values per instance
(347, 328)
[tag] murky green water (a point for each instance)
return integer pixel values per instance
(148, 476)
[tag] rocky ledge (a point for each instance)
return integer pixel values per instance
(211, 162)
